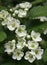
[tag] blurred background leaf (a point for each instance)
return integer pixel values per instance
(45, 56)
(3, 36)
(38, 11)
(39, 8)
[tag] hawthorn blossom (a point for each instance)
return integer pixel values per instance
(32, 45)
(38, 53)
(17, 54)
(20, 31)
(10, 46)
(36, 36)
(30, 56)
(13, 24)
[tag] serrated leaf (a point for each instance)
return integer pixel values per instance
(38, 11)
(45, 56)
(2, 36)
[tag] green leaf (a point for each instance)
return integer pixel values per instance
(38, 11)
(39, 62)
(45, 56)
(8, 64)
(2, 7)
(1, 48)
(43, 44)
(40, 27)
(21, 62)
(2, 36)
(37, 2)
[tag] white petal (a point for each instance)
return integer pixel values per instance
(10, 27)
(3, 23)
(19, 58)
(14, 57)
(39, 57)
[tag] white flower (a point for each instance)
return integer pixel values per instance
(10, 46)
(36, 36)
(7, 20)
(28, 36)
(21, 32)
(22, 13)
(11, 10)
(16, 11)
(25, 5)
(3, 14)
(32, 45)
(30, 56)
(21, 43)
(13, 24)
(45, 31)
(21, 9)
(17, 54)
(13, 14)
(43, 18)
(38, 53)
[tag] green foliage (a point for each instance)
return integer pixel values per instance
(5, 2)
(38, 11)
(39, 62)
(37, 2)
(2, 7)
(8, 64)
(21, 62)
(40, 27)
(22, 0)
(2, 36)
(37, 26)
(1, 49)
(45, 56)
(39, 8)
(44, 44)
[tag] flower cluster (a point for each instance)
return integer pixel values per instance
(24, 40)
(21, 9)
(9, 21)
(16, 47)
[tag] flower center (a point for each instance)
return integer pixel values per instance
(13, 24)
(32, 45)
(30, 56)
(11, 46)
(36, 51)
(34, 36)
(20, 30)
(18, 53)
